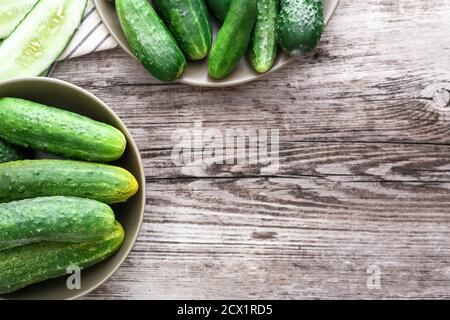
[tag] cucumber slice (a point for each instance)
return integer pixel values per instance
(12, 13)
(40, 38)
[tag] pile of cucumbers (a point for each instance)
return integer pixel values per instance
(165, 35)
(55, 213)
(35, 33)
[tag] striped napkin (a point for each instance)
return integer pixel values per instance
(91, 36)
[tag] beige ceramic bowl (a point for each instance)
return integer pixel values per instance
(197, 72)
(130, 214)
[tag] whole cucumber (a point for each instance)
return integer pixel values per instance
(45, 178)
(11, 153)
(233, 38)
(300, 25)
(190, 24)
(263, 49)
(23, 266)
(219, 8)
(150, 40)
(33, 125)
(56, 219)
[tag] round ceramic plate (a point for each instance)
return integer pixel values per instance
(130, 214)
(197, 72)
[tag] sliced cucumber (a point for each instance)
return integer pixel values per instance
(40, 38)
(11, 13)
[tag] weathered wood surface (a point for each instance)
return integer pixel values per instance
(364, 177)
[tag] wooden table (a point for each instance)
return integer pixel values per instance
(363, 188)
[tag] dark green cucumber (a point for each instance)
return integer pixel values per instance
(56, 219)
(150, 40)
(300, 25)
(40, 38)
(190, 24)
(11, 153)
(219, 8)
(32, 125)
(45, 178)
(233, 38)
(21, 267)
(263, 48)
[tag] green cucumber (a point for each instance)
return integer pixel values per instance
(190, 24)
(12, 13)
(40, 38)
(11, 153)
(263, 48)
(219, 8)
(300, 25)
(45, 178)
(55, 219)
(33, 125)
(233, 38)
(150, 40)
(23, 266)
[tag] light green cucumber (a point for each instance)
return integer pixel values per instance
(300, 25)
(233, 38)
(33, 125)
(190, 24)
(40, 38)
(150, 39)
(27, 179)
(11, 153)
(23, 266)
(12, 13)
(56, 219)
(219, 8)
(263, 47)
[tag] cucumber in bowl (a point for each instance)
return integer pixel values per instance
(196, 72)
(150, 40)
(300, 25)
(219, 8)
(12, 13)
(23, 266)
(56, 213)
(32, 125)
(40, 38)
(233, 38)
(28, 179)
(190, 24)
(56, 219)
(263, 46)
(9, 152)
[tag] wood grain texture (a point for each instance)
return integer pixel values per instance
(364, 177)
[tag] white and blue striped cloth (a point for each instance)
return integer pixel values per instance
(91, 36)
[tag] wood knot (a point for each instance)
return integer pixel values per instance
(438, 96)
(441, 98)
